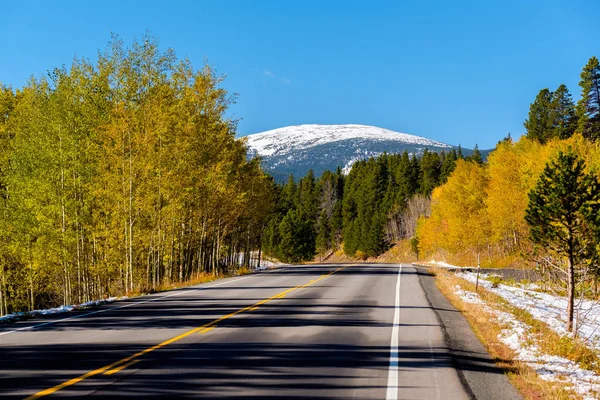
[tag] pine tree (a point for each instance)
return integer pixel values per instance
(323, 241)
(563, 114)
(540, 120)
(558, 215)
(475, 156)
(448, 165)
(289, 194)
(430, 172)
(588, 108)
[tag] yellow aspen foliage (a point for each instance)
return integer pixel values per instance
(513, 171)
(123, 175)
(459, 221)
(584, 148)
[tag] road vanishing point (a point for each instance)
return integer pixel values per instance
(332, 331)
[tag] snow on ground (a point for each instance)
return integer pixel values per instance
(264, 262)
(548, 308)
(550, 368)
(443, 264)
(545, 307)
(57, 310)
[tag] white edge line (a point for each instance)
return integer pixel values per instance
(123, 306)
(392, 385)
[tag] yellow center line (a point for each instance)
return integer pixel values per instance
(130, 360)
(119, 368)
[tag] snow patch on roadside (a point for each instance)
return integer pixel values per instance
(548, 308)
(444, 264)
(264, 263)
(550, 368)
(57, 310)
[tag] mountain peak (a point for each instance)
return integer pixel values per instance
(298, 137)
(296, 149)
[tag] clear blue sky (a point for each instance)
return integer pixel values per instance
(462, 72)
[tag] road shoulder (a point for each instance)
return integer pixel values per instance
(482, 378)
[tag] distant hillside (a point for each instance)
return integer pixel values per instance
(296, 149)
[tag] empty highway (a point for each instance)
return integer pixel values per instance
(365, 331)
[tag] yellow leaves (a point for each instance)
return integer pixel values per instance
(459, 220)
(512, 173)
(486, 205)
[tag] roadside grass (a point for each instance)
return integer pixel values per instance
(400, 252)
(529, 384)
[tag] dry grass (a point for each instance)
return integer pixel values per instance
(530, 385)
(400, 252)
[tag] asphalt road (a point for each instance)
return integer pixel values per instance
(304, 332)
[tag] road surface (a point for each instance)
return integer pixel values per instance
(365, 331)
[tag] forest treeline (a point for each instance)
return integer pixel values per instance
(122, 175)
(364, 212)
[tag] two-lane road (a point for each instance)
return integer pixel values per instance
(320, 331)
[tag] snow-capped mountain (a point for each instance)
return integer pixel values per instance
(296, 149)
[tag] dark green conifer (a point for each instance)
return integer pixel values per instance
(475, 156)
(448, 165)
(563, 115)
(588, 108)
(562, 215)
(540, 120)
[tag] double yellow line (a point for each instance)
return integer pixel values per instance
(134, 358)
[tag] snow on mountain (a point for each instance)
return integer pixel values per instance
(282, 141)
(296, 149)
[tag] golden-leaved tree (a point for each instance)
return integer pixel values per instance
(122, 175)
(459, 222)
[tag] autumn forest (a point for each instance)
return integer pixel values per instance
(124, 175)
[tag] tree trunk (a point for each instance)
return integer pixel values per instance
(477, 280)
(259, 250)
(570, 292)
(5, 292)
(31, 302)
(2, 300)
